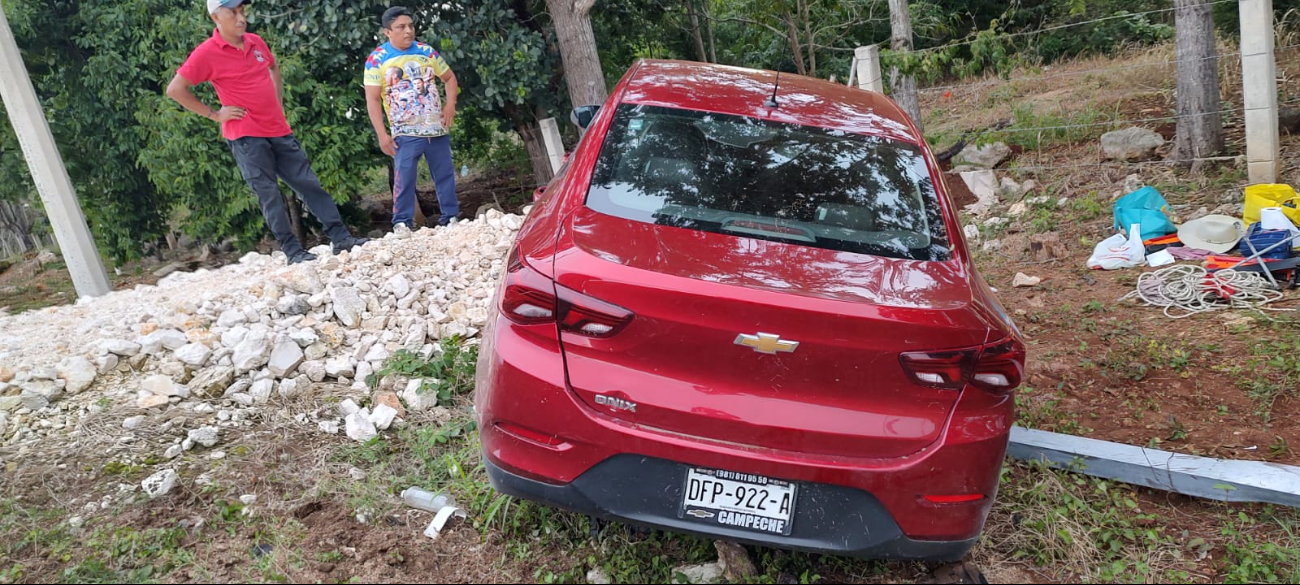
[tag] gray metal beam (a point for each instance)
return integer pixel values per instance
(1216, 479)
(48, 172)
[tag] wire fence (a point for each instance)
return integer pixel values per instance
(1054, 28)
(1032, 168)
(1083, 72)
(1092, 123)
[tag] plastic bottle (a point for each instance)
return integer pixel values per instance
(426, 500)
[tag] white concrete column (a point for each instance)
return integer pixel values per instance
(48, 172)
(554, 144)
(1259, 90)
(868, 64)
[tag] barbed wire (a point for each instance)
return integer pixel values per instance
(1115, 164)
(991, 82)
(1070, 25)
(1118, 122)
(1120, 164)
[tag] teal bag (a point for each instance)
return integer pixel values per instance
(1145, 207)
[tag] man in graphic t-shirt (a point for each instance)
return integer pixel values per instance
(417, 124)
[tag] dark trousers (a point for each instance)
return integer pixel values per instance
(262, 160)
(437, 152)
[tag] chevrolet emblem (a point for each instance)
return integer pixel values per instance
(767, 343)
(700, 514)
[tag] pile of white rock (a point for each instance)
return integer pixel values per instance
(247, 334)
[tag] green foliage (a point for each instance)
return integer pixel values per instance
(1275, 558)
(449, 374)
(137, 158)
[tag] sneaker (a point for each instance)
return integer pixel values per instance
(348, 244)
(448, 220)
(301, 256)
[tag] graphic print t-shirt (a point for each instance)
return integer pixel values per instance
(408, 82)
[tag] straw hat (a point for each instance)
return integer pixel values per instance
(1216, 233)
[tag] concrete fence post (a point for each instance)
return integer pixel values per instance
(868, 68)
(48, 172)
(1259, 90)
(554, 144)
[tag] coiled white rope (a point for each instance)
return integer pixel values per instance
(1188, 290)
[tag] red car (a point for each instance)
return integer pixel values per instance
(743, 309)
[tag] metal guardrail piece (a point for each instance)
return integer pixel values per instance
(1225, 480)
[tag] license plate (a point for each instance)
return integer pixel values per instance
(739, 500)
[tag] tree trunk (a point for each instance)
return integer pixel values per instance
(708, 22)
(1200, 126)
(900, 21)
(696, 35)
(807, 27)
(531, 134)
(795, 49)
(582, 70)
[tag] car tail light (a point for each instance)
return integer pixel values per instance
(1000, 367)
(995, 368)
(586, 315)
(531, 299)
(939, 369)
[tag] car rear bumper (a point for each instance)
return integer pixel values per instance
(648, 491)
(541, 442)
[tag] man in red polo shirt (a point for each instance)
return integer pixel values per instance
(247, 79)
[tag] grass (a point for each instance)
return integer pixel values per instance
(1040, 410)
(1032, 128)
(1271, 372)
(103, 554)
(449, 374)
(1082, 526)
(1135, 354)
(1262, 548)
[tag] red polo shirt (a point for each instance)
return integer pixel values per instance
(242, 79)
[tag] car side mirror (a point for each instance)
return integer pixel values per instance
(583, 115)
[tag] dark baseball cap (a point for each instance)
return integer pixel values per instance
(393, 13)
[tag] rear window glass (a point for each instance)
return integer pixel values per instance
(760, 179)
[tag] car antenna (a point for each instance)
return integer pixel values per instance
(771, 100)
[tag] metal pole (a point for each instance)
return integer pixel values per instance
(48, 172)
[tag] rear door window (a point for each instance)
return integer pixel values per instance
(761, 179)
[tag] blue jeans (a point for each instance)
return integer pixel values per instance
(261, 161)
(437, 151)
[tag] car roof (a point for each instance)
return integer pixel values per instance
(739, 91)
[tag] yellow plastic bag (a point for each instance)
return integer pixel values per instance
(1261, 196)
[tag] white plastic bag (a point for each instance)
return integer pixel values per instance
(1118, 251)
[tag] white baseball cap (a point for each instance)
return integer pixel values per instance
(215, 5)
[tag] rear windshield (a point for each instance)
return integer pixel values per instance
(760, 179)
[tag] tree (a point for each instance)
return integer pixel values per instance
(89, 99)
(140, 162)
(809, 29)
(1200, 126)
(904, 85)
(582, 71)
(511, 73)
